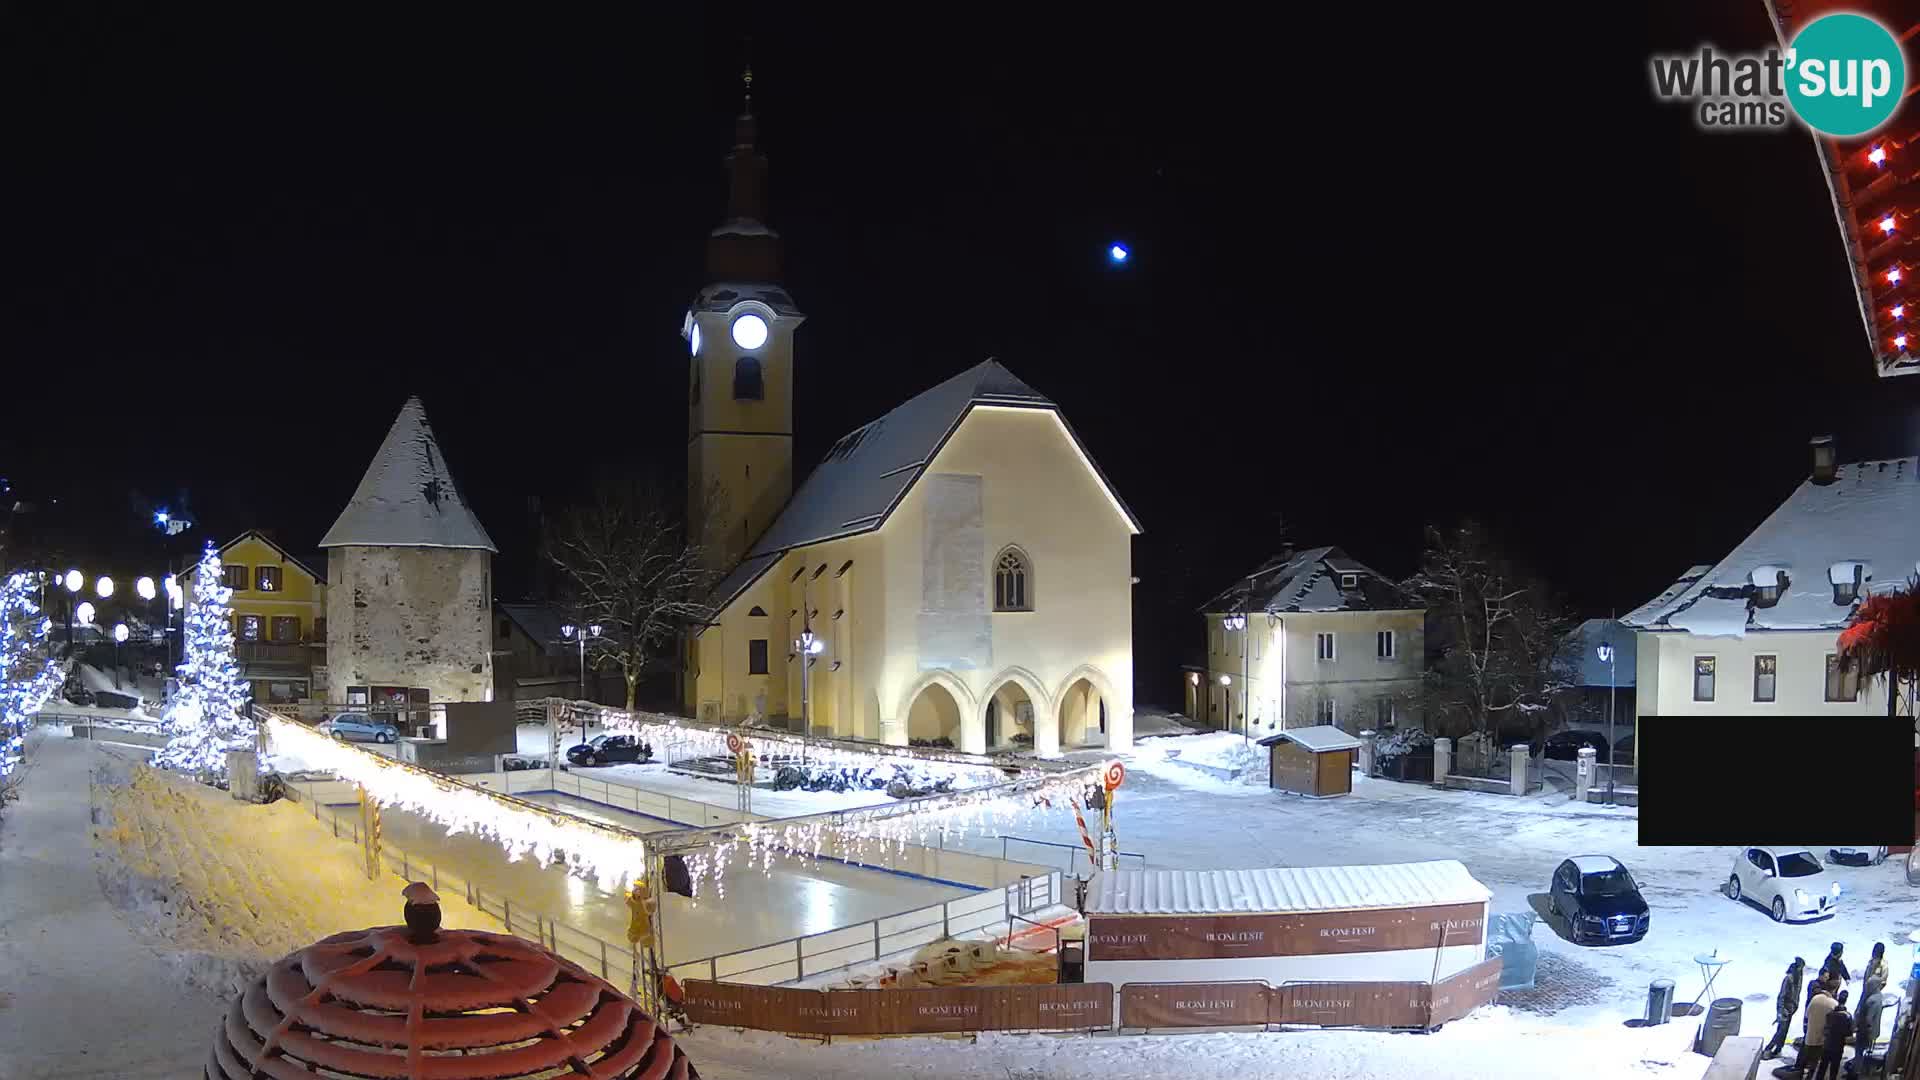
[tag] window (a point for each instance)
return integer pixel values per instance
(747, 384)
(1323, 645)
(1841, 685)
(1349, 581)
(1012, 582)
(1324, 711)
(1764, 670)
(234, 576)
(506, 628)
(1846, 592)
(1213, 637)
(757, 656)
(1383, 712)
(248, 627)
(758, 612)
(266, 578)
(286, 629)
(286, 693)
(1383, 644)
(320, 629)
(1703, 678)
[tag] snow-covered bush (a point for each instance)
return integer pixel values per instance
(1400, 742)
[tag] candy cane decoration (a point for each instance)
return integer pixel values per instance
(1093, 853)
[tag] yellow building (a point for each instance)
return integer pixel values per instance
(279, 619)
(960, 566)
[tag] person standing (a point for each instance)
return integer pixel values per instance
(1836, 965)
(1815, 1044)
(1834, 1046)
(1784, 1008)
(1875, 976)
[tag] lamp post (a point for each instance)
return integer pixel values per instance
(581, 635)
(808, 646)
(119, 639)
(74, 581)
(147, 590)
(1607, 658)
(1238, 623)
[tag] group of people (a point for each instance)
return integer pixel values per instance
(1829, 1024)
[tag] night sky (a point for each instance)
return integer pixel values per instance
(1470, 269)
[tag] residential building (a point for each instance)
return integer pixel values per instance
(1756, 632)
(409, 609)
(963, 567)
(532, 659)
(1310, 638)
(1597, 684)
(279, 618)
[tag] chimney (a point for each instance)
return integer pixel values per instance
(1825, 468)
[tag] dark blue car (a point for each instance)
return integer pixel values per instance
(1599, 900)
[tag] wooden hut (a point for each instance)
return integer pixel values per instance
(1316, 761)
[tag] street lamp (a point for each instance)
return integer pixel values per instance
(104, 587)
(808, 645)
(581, 636)
(73, 580)
(85, 612)
(1607, 658)
(119, 639)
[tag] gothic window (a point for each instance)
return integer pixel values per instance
(1012, 581)
(746, 379)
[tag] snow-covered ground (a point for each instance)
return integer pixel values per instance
(767, 803)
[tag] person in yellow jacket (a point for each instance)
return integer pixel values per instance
(1822, 1004)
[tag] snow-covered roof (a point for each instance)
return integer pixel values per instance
(1309, 580)
(1595, 864)
(1305, 888)
(1869, 514)
(866, 474)
(1319, 738)
(1591, 670)
(722, 295)
(541, 623)
(741, 226)
(407, 497)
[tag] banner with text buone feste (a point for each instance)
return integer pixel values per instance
(1457, 995)
(1069, 1007)
(1193, 1004)
(1310, 933)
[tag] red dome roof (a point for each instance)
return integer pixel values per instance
(471, 1004)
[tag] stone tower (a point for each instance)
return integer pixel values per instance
(740, 394)
(410, 574)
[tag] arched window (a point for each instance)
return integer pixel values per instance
(1012, 581)
(746, 379)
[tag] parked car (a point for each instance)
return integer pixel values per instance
(609, 750)
(1566, 745)
(1600, 901)
(1787, 881)
(360, 728)
(1856, 856)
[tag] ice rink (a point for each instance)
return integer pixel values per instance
(795, 898)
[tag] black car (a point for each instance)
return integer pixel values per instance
(1566, 745)
(1599, 900)
(609, 750)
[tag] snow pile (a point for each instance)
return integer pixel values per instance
(1222, 762)
(226, 888)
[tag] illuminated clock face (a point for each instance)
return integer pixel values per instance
(749, 331)
(693, 339)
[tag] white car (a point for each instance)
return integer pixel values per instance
(1789, 882)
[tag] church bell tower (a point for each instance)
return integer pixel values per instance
(740, 393)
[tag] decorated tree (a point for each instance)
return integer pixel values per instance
(29, 672)
(207, 716)
(1883, 641)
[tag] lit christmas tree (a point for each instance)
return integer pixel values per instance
(29, 673)
(207, 716)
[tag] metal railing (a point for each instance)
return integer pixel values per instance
(1076, 854)
(678, 809)
(611, 961)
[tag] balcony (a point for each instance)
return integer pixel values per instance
(300, 654)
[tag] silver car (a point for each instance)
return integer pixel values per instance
(359, 727)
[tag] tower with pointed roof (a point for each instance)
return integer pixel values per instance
(411, 573)
(739, 331)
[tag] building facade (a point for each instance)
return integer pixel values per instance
(960, 566)
(1758, 631)
(1309, 638)
(409, 601)
(279, 619)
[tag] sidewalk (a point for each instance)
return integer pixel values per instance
(80, 996)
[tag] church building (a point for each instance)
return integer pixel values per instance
(957, 572)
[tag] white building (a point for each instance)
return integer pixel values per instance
(410, 583)
(960, 565)
(1311, 637)
(1757, 631)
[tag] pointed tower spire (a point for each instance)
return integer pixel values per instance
(407, 497)
(743, 248)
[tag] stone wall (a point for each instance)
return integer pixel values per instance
(400, 616)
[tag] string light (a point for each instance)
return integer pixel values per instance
(1886, 224)
(1899, 311)
(1900, 341)
(1877, 155)
(1893, 276)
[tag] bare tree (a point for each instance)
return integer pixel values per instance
(1497, 643)
(630, 568)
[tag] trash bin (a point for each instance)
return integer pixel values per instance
(1659, 1001)
(1723, 1019)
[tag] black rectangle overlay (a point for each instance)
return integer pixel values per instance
(1775, 780)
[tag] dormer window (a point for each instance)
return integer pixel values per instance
(1768, 583)
(1846, 579)
(1349, 581)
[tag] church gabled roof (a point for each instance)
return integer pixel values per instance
(869, 471)
(407, 497)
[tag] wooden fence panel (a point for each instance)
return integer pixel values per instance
(1317, 933)
(1194, 1004)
